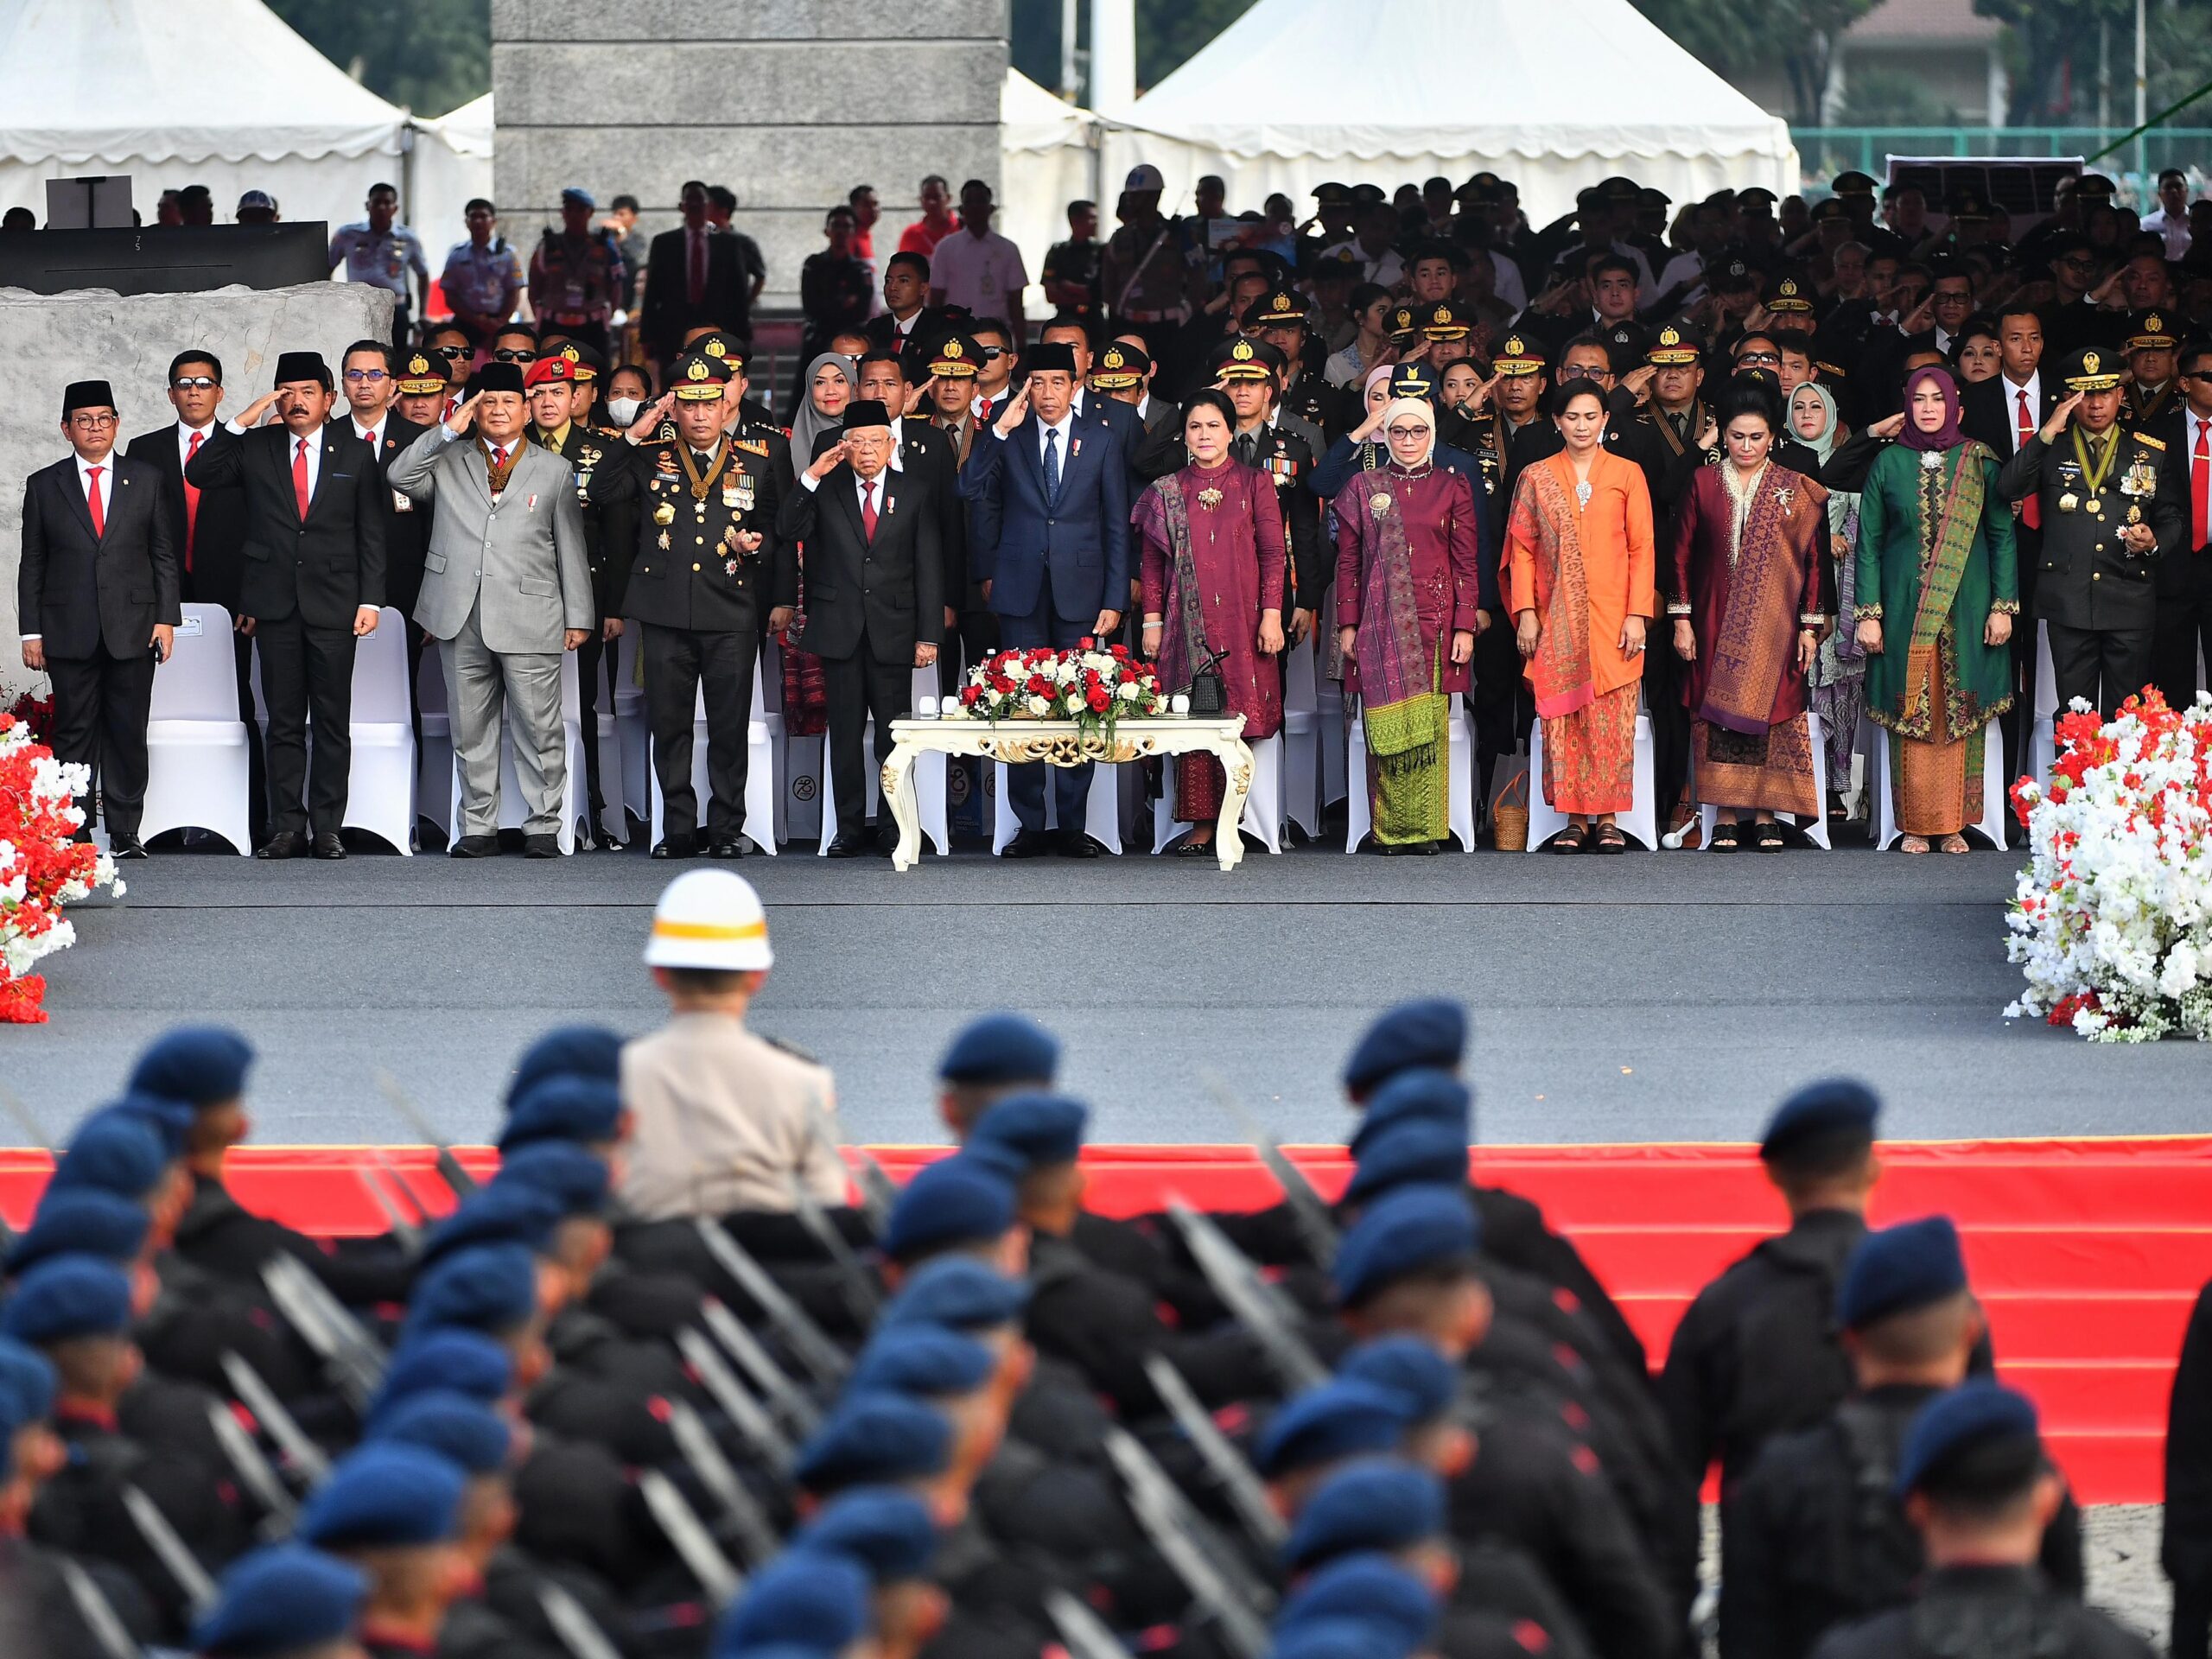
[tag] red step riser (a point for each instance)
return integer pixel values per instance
(2022, 1326)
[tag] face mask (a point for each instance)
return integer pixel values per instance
(624, 409)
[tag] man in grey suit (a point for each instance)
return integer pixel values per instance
(506, 589)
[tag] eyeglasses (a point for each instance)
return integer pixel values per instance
(366, 374)
(450, 352)
(1770, 359)
(2195, 374)
(1584, 371)
(1408, 431)
(508, 354)
(194, 382)
(994, 352)
(81, 418)
(2079, 262)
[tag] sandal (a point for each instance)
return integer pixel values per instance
(1913, 846)
(1568, 840)
(1954, 844)
(1190, 849)
(1767, 837)
(1726, 837)
(1609, 839)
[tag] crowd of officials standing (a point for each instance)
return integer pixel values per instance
(663, 1386)
(1723, 462)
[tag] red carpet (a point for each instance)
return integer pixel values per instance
(2087, 1254)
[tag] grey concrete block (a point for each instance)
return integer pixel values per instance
(807, 83)
(634, 21)
(92, 332)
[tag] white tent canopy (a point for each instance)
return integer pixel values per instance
(1045, 162)
(451, 165)
(219, 93)
(1554, 96)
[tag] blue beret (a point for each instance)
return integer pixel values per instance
(82, 1220)
(1962, 1420)
(921, 1359)
(465, 1432)
(1839, 1110)
(386, 1495)
(517, 1213)
(116, 1152)
(1369, 1587)
(955, 1201)
(1432, 1032)
(197, 1065)
(27, 1382)
(1379, 1505)
(1368, 1637)
(887, 1531)
(68, 1296)
(564, 1107)
(1408, 1153)
(1409, 1367)
(170, 1119)
(804, 1595)
(465, 1361)
(574, 1179)
(1421, 1094)
(1026, 1132)
(568, 1052)
(1901, 1268)
(1401, 1233)
(957, 1294)
(873, 1438)
(286, 1598)
(491, 1287)
(1001, 1048)
(1334, 1420)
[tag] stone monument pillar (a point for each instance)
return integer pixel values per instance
(790, 103)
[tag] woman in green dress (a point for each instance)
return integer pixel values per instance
(1937, 589)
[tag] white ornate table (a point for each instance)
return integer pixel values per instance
(1065, 743)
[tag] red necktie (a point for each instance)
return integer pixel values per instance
(2030, 509)
(868, 510)
(191, 498)
(2200, 488)
(698, 266)
(300, 493)
(92, 499)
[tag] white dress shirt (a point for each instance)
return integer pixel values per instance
(2033, 387)
(1065, 429)
(371, 435)
(186, 434)
(292, 442)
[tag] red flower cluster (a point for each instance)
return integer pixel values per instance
(38, 821)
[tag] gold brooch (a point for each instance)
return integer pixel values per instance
(663, 514)
(1380, 503)
(1210, 498)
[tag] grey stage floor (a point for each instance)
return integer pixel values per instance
(1669, 997)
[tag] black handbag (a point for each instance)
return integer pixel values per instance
(1209, 697)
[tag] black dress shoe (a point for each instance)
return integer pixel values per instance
(474, 847)
(887, 842)
(728, 847)
(126, 847)
(675, 847)
(541, 846)
(1028, 843)
(1075, 844)
(327, 845)
(851, 844)
(285, 843)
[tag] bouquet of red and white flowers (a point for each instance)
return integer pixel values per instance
(1093, 685)
(2113, 919)
(41, 869)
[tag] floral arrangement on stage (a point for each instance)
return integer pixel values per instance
(2113, 919)
(41, 867)
(1093, 685)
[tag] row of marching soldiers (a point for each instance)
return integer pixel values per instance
(972, 1419)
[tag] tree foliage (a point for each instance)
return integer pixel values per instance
(1735, 36)
(430, 55)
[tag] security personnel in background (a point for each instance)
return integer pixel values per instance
(1517, 396)
(1814, 1537)
(2152, 345)
(1285, 447)
(1279, 317)
(1683, 422)
(1449, 328)
(576, 275)
(699, 587)
(1121, 372)
(753, 416)
(1981, 1493)
(2113, 503)
(610, 538)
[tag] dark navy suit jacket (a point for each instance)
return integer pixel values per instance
(1082, 536)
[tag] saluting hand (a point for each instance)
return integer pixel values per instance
(256, 410)
(647, 424)
(1888, 427)
(916, 394)
(1013, 415)
(1480, 401)
(2060, 416)
(1638, 382)
(828, 461)
(463, 417)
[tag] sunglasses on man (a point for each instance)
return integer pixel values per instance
(510, 354)
(194, 382)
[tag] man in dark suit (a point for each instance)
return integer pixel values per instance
(1049, 539)
(97, 596)
(370, 370)
(694, 278)
(316, 509)
(875, 595)
(2183, 628)
(207, 529)
(926, 454)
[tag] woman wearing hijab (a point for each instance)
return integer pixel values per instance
(1213, 591)
(1749, 538)
(1839, 677)
(1936, 590)
(1580, 568)
(1409, 607)
(828, 387)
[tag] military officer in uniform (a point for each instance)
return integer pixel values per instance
(559, 398)
(1278, 317)
(698, 588)
(2112, 506)
(2152, 343)
(1683, 424)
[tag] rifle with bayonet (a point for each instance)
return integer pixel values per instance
(1228, 1466)
(306, 1457)
(1259, 1306)
(800, 1333)
(693, 1543)
(852, 1281)
(748, 1522)
(177, 1560)
(1226, 1594)
(1316, 1227)
(800, 1415)
(351, 1358)
(746, 1414)
(454, 1176)
(876, 1190)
